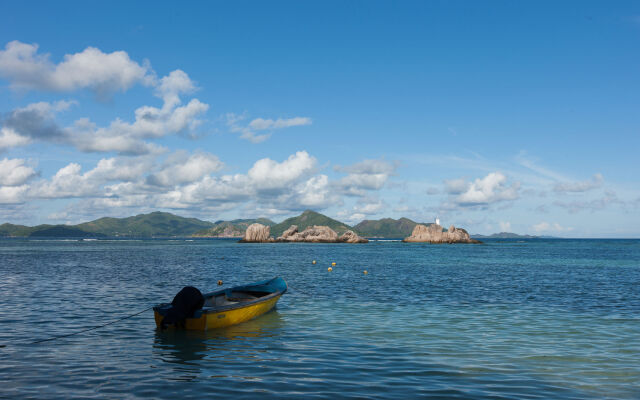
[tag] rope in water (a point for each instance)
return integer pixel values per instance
(93, 328)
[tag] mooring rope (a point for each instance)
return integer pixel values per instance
(91, 329)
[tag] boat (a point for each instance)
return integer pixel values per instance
(230, 306)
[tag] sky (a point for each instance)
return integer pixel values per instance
(491, 116)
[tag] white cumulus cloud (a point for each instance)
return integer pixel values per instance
(181, 168)
(9, 139)
(13, 194)
(365, 176)
(150, 122)
(269, 174)
(490, 189)
(91, 68)
(15, 172)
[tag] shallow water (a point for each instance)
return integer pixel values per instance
(507, 319)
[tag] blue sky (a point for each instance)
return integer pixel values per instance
(518, 116)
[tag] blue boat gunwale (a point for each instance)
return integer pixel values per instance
(281, 287)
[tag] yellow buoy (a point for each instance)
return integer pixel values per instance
(333, 264)
(329, 269)
(220, 283)
(313, 262)
(365, 272)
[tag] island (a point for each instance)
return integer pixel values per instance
(434, 233)
(258, 233)
(310, 226)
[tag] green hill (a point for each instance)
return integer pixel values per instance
(155, 224)
(386, 227)
(234, 228)
(64, 231)
(11, 230)
(306, 219)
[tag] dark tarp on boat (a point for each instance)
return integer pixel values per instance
(186, 302)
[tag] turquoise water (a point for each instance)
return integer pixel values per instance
(507, 319)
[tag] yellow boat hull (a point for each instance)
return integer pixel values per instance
(211, 319)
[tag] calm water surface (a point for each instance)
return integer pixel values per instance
(507, 319)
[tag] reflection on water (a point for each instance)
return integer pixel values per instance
(193, 351)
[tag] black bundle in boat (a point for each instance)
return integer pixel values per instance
(187, 301)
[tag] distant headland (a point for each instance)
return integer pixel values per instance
(308, 226)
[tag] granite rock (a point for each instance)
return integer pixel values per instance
(352, 237)
(257, 233)
(434, 234)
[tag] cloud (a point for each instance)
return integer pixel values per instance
(433, 191)
(316, 192)
(187, 182)
(505, 226)
(353, 218)
(609, 198)
(150, 122)
(268, 185)
(92, 69)
(13, 194)
(104, 74)
(9, 139)
(579, 187)
(181, 168)
(363, 208)
(456, 186)
(70, 182)
(86, 137)
(524, 160)
(250, 131)
(174, 84)
(268, 174)
(36, 121)
(365, 176)
(370, 206)
(260, 124)
(491, 189)
(550, 227)
(14, 172)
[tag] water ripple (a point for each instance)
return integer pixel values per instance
(538, 319)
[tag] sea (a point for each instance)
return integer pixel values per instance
(506, 319)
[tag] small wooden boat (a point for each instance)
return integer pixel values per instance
(231, 306)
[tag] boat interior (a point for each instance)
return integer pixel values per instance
(233, 297)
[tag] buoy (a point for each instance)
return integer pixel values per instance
(333, 264)
(220, 283)
(329, 269)
(365, 272)
(313, 262)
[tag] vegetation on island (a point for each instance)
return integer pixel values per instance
(386, 228)
(155, 224)
(234, 228)
(307, 219)
(163, 224)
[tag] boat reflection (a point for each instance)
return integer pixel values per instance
(192, 351)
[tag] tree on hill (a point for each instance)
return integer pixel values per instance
(307, 219)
